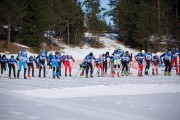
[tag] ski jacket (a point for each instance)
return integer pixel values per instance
(175, 53)
(148, 56)
(89, 59)
(42, 58)
(66, 58)
(56, 61)
(11, 61)
(126, 58)
(166, 56)
(31, 60)
(118, 55)
(139, 57)
(3, 60)
(22, 57)
(155, 59)
(100, 60)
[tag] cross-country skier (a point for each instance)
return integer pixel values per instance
(175, 60)
(148, 59)
(155, 64)
(30, 64)
(3, 62)
(112, 62)
(99, 65)
(89, 59)
(50, 57)
(167, 59)
(105, 62)
(56, 64)
(67, 64)
(140, 58)
(126, 58)
(41, 61)
(117, 61)
(22, 58)
(83, 66)
(11, 65)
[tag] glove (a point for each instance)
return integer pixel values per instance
(73, 60)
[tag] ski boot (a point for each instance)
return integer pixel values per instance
(122, 73)
(118, 74)
(146, 73)
(53, 76)
(166, 74)
(58, 77)
(91, 76)
(169, 73)
(112, 74)
(157, 72)
(25, 73)
(87, 76)
(105, 74)
(70, 75)
(65, 75)
(29, 76)
(127, 74)
(152, 72)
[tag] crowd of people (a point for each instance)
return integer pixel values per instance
(119, 63)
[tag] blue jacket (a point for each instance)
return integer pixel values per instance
(148, 56)
(166, 56)
(22, 57)
(89, 59)
(56, 61)
(175, 53)
(3, 60)
(139, 57)
(118, 54)
(66, 58)
(11, 61)
(126, 58)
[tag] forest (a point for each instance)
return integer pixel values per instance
(141, 23)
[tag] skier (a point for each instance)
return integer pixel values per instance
(3, 62)
(41, 61)
(148, 60)
(167, 59)
(112, 62)
(56, 64)
(50, 57)
(140, 58)
(67, 64)
(117, 61)
(126, 58)
(30, 64)
(155, 63)
(11, 65)
(175, 60)
(83, 66)
(89, 59)
(22, 58)
(99, 65)
(105, 62)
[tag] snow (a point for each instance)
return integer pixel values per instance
(99, 98)
(100, 90)
(20, 45)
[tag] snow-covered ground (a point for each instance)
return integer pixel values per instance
(98, 98)
(125, 98)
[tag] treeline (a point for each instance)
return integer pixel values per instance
(25, 21)
(138, 21)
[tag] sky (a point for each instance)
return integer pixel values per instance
(104, 4)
